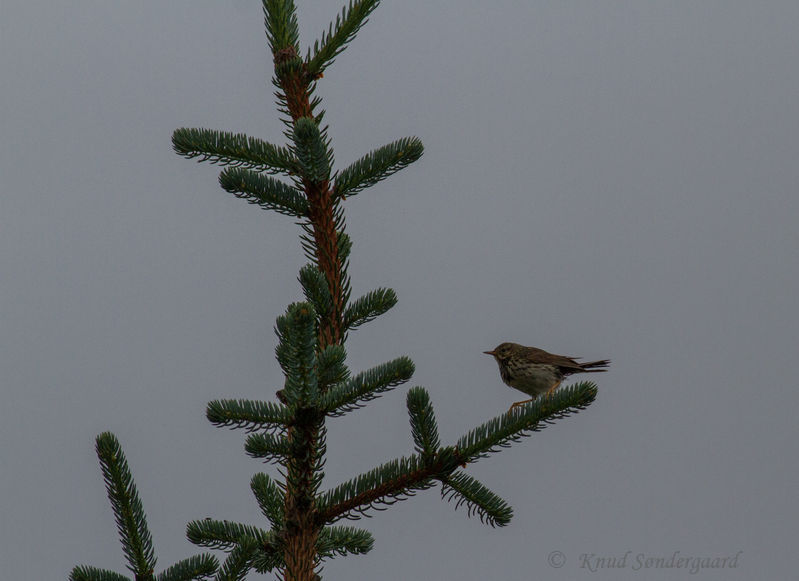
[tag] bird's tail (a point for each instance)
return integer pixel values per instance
(592, 366)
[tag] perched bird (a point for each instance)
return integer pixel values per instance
(536, 372)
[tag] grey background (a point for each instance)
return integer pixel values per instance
(605, 179)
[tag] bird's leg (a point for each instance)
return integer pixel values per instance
(551, 390)
(548, 393)
(519, 404)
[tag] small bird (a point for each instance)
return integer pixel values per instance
(536, 372)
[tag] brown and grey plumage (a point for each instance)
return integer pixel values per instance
(535, 372)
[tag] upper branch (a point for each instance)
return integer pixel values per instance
(352, 18)
(377, 165)
(248, 414)
(234, 149)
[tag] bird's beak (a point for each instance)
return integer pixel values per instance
(489, 352)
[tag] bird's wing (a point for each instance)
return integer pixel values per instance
(565, 364)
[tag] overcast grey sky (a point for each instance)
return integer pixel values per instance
(601, 178)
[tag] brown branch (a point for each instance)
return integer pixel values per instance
(437, 468)
(325, 235)
(295, 85)
(302, 531)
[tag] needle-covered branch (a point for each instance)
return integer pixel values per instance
(282, 30)
(137, 543)
(249, 415)
(339, 541)
(423, 422)
(239, 561)
(378, 165)
(385, 485)
(312, 150)
(333, 541)
(86, 573)
(234, 149)
(503, 430)
(268, 447)
(399, 479)
(267, 560)
(196, 567)
(331, 368)
(314, 286)
(366, 386)
(296, 353)
(369, 307)
(338, 35)
(132, 526)
(224, 534)
(264, 191)
(271, 499)
(479, 500)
